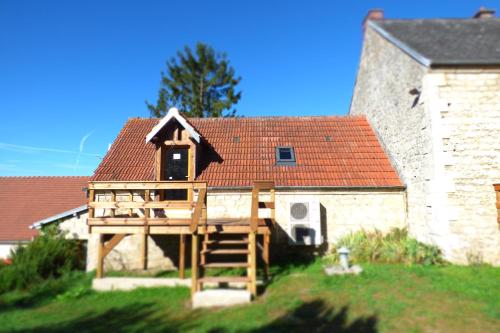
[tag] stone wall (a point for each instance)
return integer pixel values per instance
(440, 129)
(388, 92)
(467, 105)
(162, 253)
(341, 211)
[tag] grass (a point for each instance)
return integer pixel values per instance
(384, 298)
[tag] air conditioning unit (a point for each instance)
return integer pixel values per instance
(304, 227)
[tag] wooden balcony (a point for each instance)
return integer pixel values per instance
(139, 207)
(118, 209)
(134, 206)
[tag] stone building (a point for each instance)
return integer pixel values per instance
(430, 89)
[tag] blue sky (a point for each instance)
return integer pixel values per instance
(72, 72)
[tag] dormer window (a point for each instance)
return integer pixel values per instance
(285, 156)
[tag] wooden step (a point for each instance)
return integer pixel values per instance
(223, 279)
(225, 265)
(226, 242)
(225, 251)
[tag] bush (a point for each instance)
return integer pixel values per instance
(49, 255)
(394, 247)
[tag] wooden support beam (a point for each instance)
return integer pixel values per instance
(100, 257)
(265, 254)
(252, 264)
(254, 214)
(144, 251)
(113, 199)
(130, 199)
(194, 264)
(90, 202)
(110, 245)
(198, 210)
(147, 197)
(182, 256)
(272, 194)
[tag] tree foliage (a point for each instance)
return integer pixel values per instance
(201, 83)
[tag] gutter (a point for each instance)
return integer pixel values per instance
(74, 212)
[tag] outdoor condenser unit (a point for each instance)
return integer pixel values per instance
(304, 227)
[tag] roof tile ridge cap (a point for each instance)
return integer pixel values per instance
(271, 117)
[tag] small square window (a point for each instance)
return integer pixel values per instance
(285, 156)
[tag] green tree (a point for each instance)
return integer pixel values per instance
(199, 83)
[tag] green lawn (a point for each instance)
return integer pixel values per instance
(384, 298)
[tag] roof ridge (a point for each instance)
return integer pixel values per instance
(346, 116)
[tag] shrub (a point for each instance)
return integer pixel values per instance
(395, 247)
(49, 255)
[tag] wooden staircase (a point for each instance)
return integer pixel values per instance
(222, 252)
(233, 250)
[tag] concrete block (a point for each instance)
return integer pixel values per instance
(124, 283)
(220, 297)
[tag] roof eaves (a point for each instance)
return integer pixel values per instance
(302, 187)
(465, 63)
(404, 47)
(39, 224)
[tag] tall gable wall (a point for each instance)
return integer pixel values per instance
(382, 93)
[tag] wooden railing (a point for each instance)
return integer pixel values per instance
(200, 209)
(258, 187)
(140, 203)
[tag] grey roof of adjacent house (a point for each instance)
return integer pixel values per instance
(445, 42)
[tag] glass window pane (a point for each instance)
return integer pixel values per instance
(285, 154)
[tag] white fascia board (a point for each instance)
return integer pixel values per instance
(39, 224)
(407, 49)
(174, 113)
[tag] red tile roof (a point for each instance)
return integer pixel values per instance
(25, 200)
(352, 158)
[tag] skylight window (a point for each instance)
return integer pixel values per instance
(285, 156)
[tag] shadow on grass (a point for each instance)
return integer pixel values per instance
(141, 317)
(316, 316)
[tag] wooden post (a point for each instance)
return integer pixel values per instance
(147, 197)
(182, 256)
(272, 197)
(100, 257)
(265, 255)
(144, 251)
(254, 214)
(130, 199)
(91, 199)
(113, 199)
(252, 264)
(194, 264)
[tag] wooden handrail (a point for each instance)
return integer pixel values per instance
(261, 185)
(141, 204)
(147, 185)
(195, 217)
